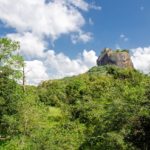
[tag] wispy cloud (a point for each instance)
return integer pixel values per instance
(124, 37)
(82, 37)
(91, 22)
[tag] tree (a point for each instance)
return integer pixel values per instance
(10, 71)
(10, 59)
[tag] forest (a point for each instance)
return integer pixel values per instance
(106, 108)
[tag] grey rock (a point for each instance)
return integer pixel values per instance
(120, 58)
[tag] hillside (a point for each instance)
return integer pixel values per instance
(107, 108)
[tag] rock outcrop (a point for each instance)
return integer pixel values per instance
(120, 58)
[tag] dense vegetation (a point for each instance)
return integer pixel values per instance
(107, 108)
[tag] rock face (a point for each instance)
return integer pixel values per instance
(120, 58)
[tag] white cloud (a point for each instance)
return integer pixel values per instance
(31, 45)
(60, 65)
(89, 58)
(49, 19)
(37, 20)
(82, 37)
(141, 59)
(35, 72)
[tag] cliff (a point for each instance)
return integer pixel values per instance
(120, 58)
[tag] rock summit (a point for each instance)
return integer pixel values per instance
(120, 58)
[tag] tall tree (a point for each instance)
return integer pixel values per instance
(11, 63)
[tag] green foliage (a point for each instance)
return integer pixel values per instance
(52, 93)
(10, 91)
(10, 58)
(107, 108)
(139, 133)
(106, 100)
(122, 50)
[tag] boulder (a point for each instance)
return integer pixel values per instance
(120, 58)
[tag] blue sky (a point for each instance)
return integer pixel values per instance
(128, 17)
(64, 37)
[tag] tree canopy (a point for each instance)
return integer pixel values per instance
(107, 108)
